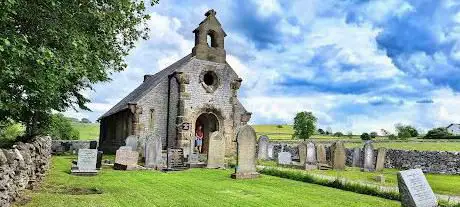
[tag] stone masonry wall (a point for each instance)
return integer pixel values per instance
(23, 166)
(440, 162)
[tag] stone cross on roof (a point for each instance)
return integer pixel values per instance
(210, 12)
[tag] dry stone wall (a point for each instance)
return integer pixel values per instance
(440, 162)
(23, 166)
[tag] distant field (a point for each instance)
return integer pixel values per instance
(286, 131)
(87, 131)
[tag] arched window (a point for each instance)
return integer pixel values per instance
(211, 38)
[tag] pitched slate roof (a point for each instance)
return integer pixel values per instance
(146, 86)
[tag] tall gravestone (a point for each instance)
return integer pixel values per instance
(125, 158)
(321, 154)
(153, 152)
(270, 151)
(99, 160)
(302, 153)
(311, 156)
(414, 189)
(262, 148)
(368, 157)
(131, 141)
(246, 153)
(216, 152)
(356, 157)
(338, 155)
(86, 163)
(380, 164)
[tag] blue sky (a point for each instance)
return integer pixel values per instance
(358, 65)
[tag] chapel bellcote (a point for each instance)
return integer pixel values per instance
(209, 39)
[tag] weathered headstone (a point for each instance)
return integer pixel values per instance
(175, 158)
(86, 163)
(311, 156)
(284, 158)
(246, 153)
(380, 164)
(262, 146)
(93, 144)
(415, 190)
(302, 153)
(356, 157)
(216, 152)
(153, 152)
(338, 156)
(125, 158)
(99, 160)
(321, 154)
(131, 141)
(368, 157)
(270, 151)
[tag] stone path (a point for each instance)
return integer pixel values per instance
(450, 198)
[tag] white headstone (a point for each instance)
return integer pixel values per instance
(311, 153)
(131, 141)
(284, 158)
(262, 148)
(415, 190)
(270, 151)
(87, 159)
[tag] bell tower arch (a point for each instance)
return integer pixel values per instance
(209, 39)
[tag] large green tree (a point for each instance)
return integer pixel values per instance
(304, 125)
(406, 131)
(51, 51)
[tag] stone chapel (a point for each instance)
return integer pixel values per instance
(199, 89)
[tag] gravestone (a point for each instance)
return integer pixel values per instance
(338, 156)
(321, 154)
(262, 146)
(125, 158)
(368, 157)
(153, 152)
(175, 158)
(131, 141)
(284, 158)
(86, 163)
(414, 189)
(246, 154)
(302, 153)
(380, 164)
(270, 151)
(99, 160)
(216, 152)
(356, 157)
(311, 156)
(93, 144)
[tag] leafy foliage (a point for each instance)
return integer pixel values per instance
(304, 125)
(406, 131)
(321, 131)
(9, 132)
(53, 50)
(392, 137)
(61, 128)
(338, 134)
(85, 120)
(437, 133)
(279, 126)
(365, 136)
(373, 135)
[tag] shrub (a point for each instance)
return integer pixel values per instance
(338, 134)
(406, 131)
(404, 134)
(365, 136)
(392, 137)
(321, 131)
(85, 120)
(61, 128)
(9, 132)
(437, 133)
(373, 135)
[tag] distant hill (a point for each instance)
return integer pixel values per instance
(88, 131)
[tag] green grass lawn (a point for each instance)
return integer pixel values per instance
(88, 131)
(196, 187)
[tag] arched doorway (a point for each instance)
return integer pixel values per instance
(209, 123)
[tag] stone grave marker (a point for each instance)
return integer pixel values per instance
(125, 158)
(321, 154)
(246, 154)
(415, 190)
(356, 157)
(99, 160)
(175, 159)
(153, 152)
(284, 158)
(131, 141)
(86, 163)
(93, 144)
(270, 151)
(368, 157)
(338, 155)
(302, 153)
(311, 156)
(380, 164)
(216, 152)
(262, 146)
